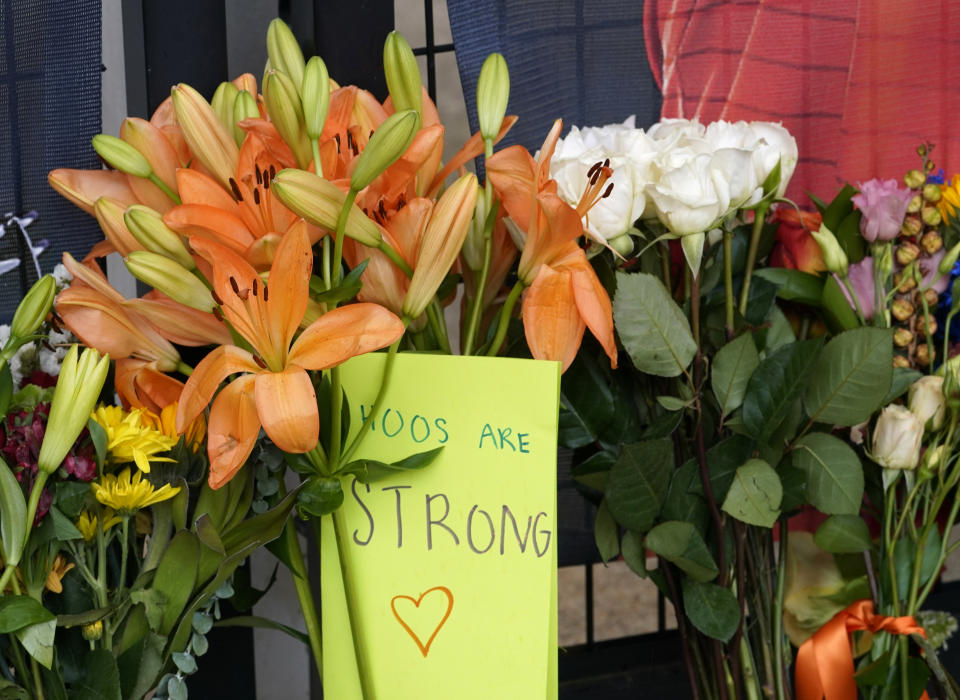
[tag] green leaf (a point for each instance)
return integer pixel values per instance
(679, 543)
(634, 553)
(262, 623)
(320, 496)
(773, 386)
(102, 681)
(838, 313)
(843, 534)
(19, 611)
(37, 639)
(98, 436)
(723, 460)
(818, 203)
(348, 288)
(141, 665)
(902, 379)
(638, 481)
(834, 473)
(839, 208)
(370, 470)
(651, 326)
(13, 515)
(778, 332)
(712, 609)
(904, 553)
(673, 403)
(12, 691)
(176, 576)
(732, 367)
(6, 388)
(794, 285)
(794, 483)
(755, 494)
(63, 527)
(593, 471)
(682, 501)
(849, 238)
(70, 497)
(761, 298)
(852, 377)
(606, 534)
(154, 603)
(280, 548)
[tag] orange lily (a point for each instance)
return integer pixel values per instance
(564, 294)
(274, 390)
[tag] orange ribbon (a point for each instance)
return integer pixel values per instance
(825, 661)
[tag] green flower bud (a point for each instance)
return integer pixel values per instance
(623, 244)
(171, 278)
(223, 100)
(907, 252)
(147, 226)
(78, 388)
(315, 93)
(931, 193)
(833, 256)
(403, 74)
(914, 179)
(93, 631)
(245, 107)
(284, 52)
(34, 308)
(493, 92)
(283, 105)
(931, 216)
(120, 155)
(388, 143)
(916, 203)
(949, 260)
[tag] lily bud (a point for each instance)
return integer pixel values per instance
(315, 95)
(120, 155)
(473, 244)
(223, 101)
(493, 92)
(834, 258)
(283, 105)
(931, 242)
(390, 141)
(441, 243)
(403, 74)
(284, 52)
(146, 225)
(914, 179)
(931, 216)
(907, 252)
(34, 308)
(931, 193)
(171, 278)
(244, 107)
(205, 134)
(109, 213)
(927, 403)
(896, 438)
(320, 201)
(949, 260)
(623, 244)
(78, 387)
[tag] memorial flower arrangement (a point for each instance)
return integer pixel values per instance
(281, 229)
(776, 362)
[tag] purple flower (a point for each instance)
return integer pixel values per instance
(884, 205)
(936, 178)
(860, 276)
(930, 268)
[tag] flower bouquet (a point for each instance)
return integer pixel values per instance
(770, 350)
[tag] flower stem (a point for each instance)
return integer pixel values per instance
(395, 258)
(352, 612)
(439, 326)
(728, 280)
(476, 308)
(336, 408)
(184, 369)
(102, 581)
(125, 542)
(165, 188)
(377, 404)
(758, 216)
(778, 613)
(506, 312)
(315, 148)
(341, 228)
(305, 596)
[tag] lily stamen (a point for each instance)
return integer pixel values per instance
(236, 190)
(599, 173)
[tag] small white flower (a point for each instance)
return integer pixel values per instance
(896, 438)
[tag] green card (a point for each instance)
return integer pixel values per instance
(452, 568)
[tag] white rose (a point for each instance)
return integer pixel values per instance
(734, 177)
(774, 143)
(927, 403)
(667, 129)
(723, 134)
(896, 438)
(686, 199)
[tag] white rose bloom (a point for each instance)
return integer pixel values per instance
(897, 437)
(667, 129)
(723, 134)
(774, 143)
(686, 199)
(927, 403)
(735, 179)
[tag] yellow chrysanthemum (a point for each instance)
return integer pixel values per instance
(128, 492)
(87, 523)
(166, 423)
(130, 438)
(949, 203)
(58, 570)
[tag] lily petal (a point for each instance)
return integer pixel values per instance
(207, 375)
(210, 222)
(592, 300)
(287, 406)
(84, 187)
(155, 147)
(289, 285)
(343, 333)
(470, 150)
(140, 385)
(551, 321)
(178, 323)
(197, 188)
(232, 430)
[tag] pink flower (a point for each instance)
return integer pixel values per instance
(860, 276)
(884, 205)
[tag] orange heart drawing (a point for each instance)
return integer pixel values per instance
(424, 648)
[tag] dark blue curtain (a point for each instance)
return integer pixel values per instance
(581, 60)
(49, 111)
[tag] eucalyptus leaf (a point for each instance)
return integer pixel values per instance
(755, 494)
(605, 534)
(13, 515)
(652, 327)
(773, 386)
(679, 543)
(712, 609)
(638, 481)
(852, 377)
(843, 534)
(834, 473)
(732, 367)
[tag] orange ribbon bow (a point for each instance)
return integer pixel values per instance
(825, 661)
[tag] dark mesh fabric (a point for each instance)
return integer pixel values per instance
(49, 111)
(581, 60)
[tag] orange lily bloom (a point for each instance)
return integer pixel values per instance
(564, 294)
(274, 390)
